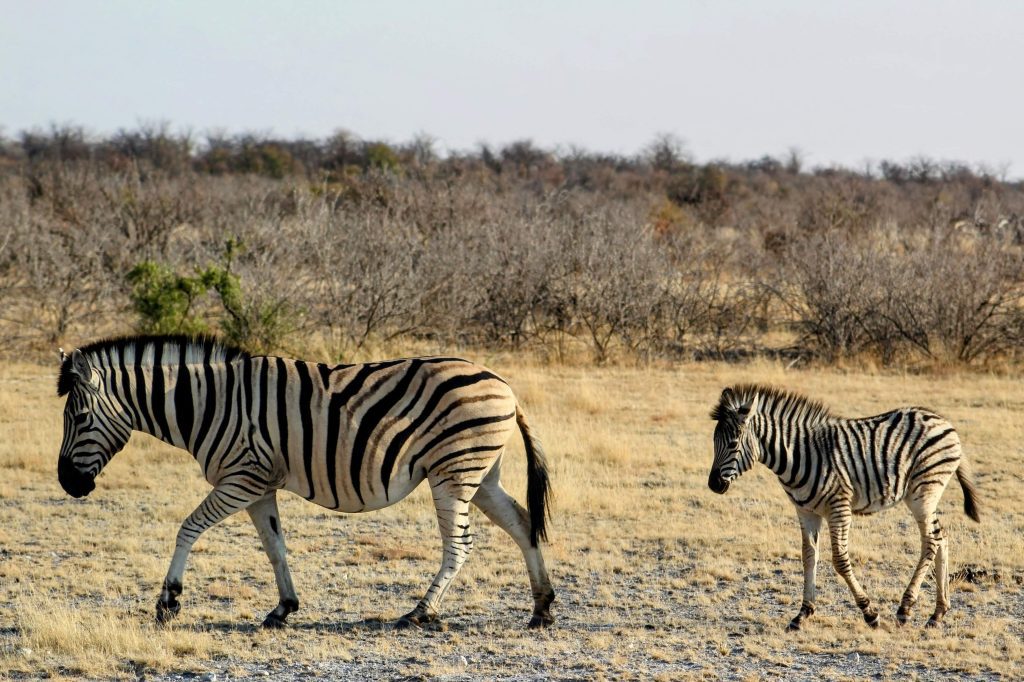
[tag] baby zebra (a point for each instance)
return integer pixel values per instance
(833, 468)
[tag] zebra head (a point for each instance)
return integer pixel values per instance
(734, 443)
(95, 427)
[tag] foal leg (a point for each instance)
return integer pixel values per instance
(941, 578)
(810, 525)
(932, 538)
(839, 529)
(267, 520)
(509, 515)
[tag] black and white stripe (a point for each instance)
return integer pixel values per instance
(353, 438)
(832, 468)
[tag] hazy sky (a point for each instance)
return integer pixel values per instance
(845, 82)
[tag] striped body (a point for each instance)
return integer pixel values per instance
(352, 438)
(832, 468)
(865, 461)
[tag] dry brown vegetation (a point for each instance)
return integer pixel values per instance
(657, 577)
(357, 243)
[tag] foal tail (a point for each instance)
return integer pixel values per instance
(537, 482)
(963, 474)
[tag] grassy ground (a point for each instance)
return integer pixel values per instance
(657, 577)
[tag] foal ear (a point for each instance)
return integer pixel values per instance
(726, 404)
(63, 355)
(750, 407)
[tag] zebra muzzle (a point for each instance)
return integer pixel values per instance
(717, 483)
(75, 482)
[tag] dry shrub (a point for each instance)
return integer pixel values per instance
(348, 245)
(932, 295)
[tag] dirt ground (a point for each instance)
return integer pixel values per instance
(657, 577)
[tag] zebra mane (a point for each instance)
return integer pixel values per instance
(772, 399)
(137, 350)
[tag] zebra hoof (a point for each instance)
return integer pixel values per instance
(794, 625)
(272, 622)
(407, 623)
(165, 613)
(933, 623)
(432, 624)
(871, 618)
(541, 621)
(417, 617)
(902, 617)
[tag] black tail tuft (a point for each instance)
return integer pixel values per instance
(538, 491)
(971, 506)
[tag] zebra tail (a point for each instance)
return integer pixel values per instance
(538, 491)
(971, 506)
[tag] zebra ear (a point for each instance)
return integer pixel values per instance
(80, 367)
(750, 407)
(63, 355)
(725, 405)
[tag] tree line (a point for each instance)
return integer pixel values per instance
(340, 247)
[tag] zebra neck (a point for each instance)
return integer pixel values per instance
(777, 449)
(184, 404)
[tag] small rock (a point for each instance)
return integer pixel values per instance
(26, 652)
(463, 661)
(854, 657)
(208, 677)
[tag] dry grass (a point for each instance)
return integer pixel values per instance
(656, 576)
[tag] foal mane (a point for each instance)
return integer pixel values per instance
(772, 399)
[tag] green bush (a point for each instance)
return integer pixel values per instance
(382, 157)
(166, 302)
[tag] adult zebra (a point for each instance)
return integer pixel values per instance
(833, 468)
(349, 437)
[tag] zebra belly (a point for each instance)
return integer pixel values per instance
(862, 507)
(397, 490)
(373, 500)
(864, 503)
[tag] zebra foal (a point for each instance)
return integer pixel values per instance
(353, 438)
(832, 468)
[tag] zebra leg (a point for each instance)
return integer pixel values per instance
(941, 577)
(810, 526)
(839, 529)
(492, 499)
(223, 501)
(931, 533)
(266, 518)
(457, 541)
